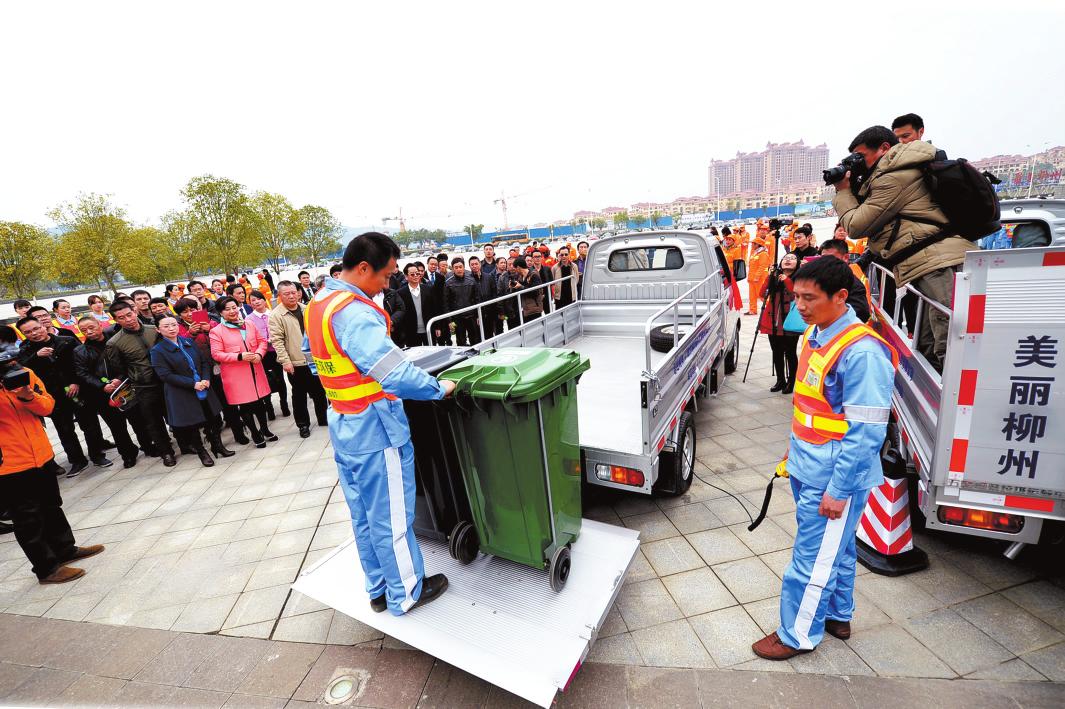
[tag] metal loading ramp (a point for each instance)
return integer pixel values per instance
(498, 620)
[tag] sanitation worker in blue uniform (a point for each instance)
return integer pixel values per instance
(365, 376)
(841, 404)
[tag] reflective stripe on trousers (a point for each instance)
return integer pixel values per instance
(379, 489)
(819, 579)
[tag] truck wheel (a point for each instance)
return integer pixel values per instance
(677, 469)
(558, 568)
(662, 336)
(463, 544)
(732, 357)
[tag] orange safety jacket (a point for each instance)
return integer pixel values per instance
(857, 270)
(348, 389)
(813, 419)
(22, 436)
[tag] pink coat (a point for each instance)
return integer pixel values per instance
(243, 382)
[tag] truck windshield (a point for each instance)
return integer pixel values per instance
(646, 258)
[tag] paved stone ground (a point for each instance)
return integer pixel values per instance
(213, 551)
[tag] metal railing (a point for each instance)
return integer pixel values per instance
(447, 317)
(675, 307)
(878, 274)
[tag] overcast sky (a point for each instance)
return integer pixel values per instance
(438, 107)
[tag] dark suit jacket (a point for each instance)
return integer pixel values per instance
(410, 318)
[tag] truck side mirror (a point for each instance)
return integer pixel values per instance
(739, 269)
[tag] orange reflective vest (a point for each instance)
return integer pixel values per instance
(857, 270)
(813, 420)
(72, 327)
(348, 389)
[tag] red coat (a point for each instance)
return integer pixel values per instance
(242, 381)
(777, 306)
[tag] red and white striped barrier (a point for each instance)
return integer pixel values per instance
(885, 524)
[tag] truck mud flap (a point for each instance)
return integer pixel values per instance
(498, 620)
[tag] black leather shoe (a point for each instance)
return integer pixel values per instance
(432, 588)
(788, 388)
(169, 460)
(777, 387)
(76, 469)
(305, 431)
(129, 462)
(102, 462)
(269, 435)
(205, 458)
(8, 528)
(379, 604)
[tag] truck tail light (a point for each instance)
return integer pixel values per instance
(981, 519)
(619, 475)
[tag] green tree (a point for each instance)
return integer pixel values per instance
(222, 220)
(320, 232)
(655, 217)
(474, 230)
(598, 223)
(182, 238)
(621, 219)
(149, 256)
(27, 257)
(95, 232)
(277, 224)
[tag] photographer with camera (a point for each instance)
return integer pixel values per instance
(29, 491)
(881, 193)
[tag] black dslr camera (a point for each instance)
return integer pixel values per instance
(12, 376)
(855, 163)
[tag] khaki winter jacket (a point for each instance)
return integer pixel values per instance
(286, 336)
(895, 190)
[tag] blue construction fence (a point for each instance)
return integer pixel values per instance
(534, 234)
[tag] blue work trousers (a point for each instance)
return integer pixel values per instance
(819, 579)
(379, 489)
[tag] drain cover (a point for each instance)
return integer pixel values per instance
(346, 685)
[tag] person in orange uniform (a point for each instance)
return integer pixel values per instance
(731, 249)
(264, 288)
(757, 271)
(745, 241)
(28, 488)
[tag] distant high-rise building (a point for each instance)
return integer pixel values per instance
(779, 166)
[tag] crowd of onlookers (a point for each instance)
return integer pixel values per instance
(201, 357)
(419, 292)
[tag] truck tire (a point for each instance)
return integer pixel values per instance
(732, 357)
(662, 336)
(676, 470)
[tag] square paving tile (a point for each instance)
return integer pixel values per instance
(897, 596)
(748, 579)
(671, 556)
(228, 664)
(698, 591)
(766, 538)
(646, 603)
(892, 652)
(652, 526)
(672, 644)
(1007, 623)
(616, 650)
(692, 518)
(280, 670)
(1042, 599)
(257, 606)
(718, 545)
(957, 642)
(727, 634)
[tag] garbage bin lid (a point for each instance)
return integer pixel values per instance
(517, 374)
(435, 359)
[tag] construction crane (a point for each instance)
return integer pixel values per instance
(502, 201)
(402, 224)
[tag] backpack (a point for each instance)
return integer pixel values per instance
(965, 195)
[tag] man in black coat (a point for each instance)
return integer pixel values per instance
(52, 359)
(486, 290)
(543, 273)
(461, 291)
(419, 307)
(97, 386)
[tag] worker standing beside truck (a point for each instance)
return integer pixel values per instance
(365, 375)
(842, 402)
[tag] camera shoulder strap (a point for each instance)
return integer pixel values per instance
(903, 254)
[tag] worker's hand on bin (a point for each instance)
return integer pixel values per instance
(449, 387)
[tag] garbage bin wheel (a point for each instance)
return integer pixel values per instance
(662, 336)
(463, 544)
(677, 469)
(558, 568)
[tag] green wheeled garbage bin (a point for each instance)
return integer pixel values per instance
(515, 426)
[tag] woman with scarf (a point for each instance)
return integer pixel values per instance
(190, 403)
(239, 351)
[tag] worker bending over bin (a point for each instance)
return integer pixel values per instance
(365, 376)
(842, 401)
